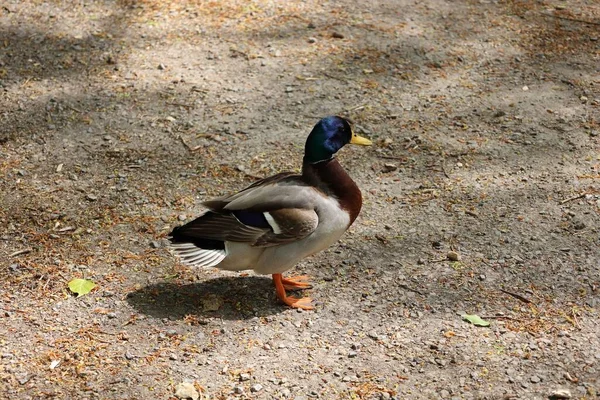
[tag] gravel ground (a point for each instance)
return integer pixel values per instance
(481, 197)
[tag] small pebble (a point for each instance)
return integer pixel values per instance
(161, 66)
(389, 167)
(312, 40)
(560, 394)
(453, 256)
(186, 390)
(352, 354)
(238, 390)
(337, 35)
(244, 377)
(256, 388)
(535, 379)
(91, 197)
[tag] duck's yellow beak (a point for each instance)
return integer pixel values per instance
(360, 140)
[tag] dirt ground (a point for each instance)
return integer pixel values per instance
(118, 117)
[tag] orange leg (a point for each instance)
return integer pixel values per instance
(303, 303)
(296, 282)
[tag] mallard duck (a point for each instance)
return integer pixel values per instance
(274, 223)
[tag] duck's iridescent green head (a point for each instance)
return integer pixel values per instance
(328, 136)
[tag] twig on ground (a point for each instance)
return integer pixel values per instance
(575, 319)
(446, 174)
(188, 106)
(517, 296)
(18, 253)
(187, 146)
(356, 108)
(403, 286)
(579, 196)
(392, 157)
(335, 77)
(571, 19)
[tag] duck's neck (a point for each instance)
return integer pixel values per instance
(331, 178)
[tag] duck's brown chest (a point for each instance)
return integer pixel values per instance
(330, 177)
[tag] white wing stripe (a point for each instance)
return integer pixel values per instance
(273, 223)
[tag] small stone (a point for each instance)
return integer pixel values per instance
(91, 197)
(154, 244)
(182, 217)
(337, 35)
(238, 390)
(384, 396)
(349, 378)
(129, 356)
(352, 354)
(26, 378)
(453, 256)
(186, 390)
(111, 315)
(525, 88)
(594, 133)
(373, 335)
(560, 394)
(161, 66)
(312, 40)
(289, 89)
(173, 357)
(256, 388)
(535, 379)
(389, 167)
(444, 394)
(244, 377)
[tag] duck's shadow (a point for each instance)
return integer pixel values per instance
(225, 297)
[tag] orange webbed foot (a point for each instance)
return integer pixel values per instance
(296, 282)
(280, 286)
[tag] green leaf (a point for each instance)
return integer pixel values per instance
(475, 320)
(81, 286)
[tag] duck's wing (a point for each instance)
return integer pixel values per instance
(274, 211)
